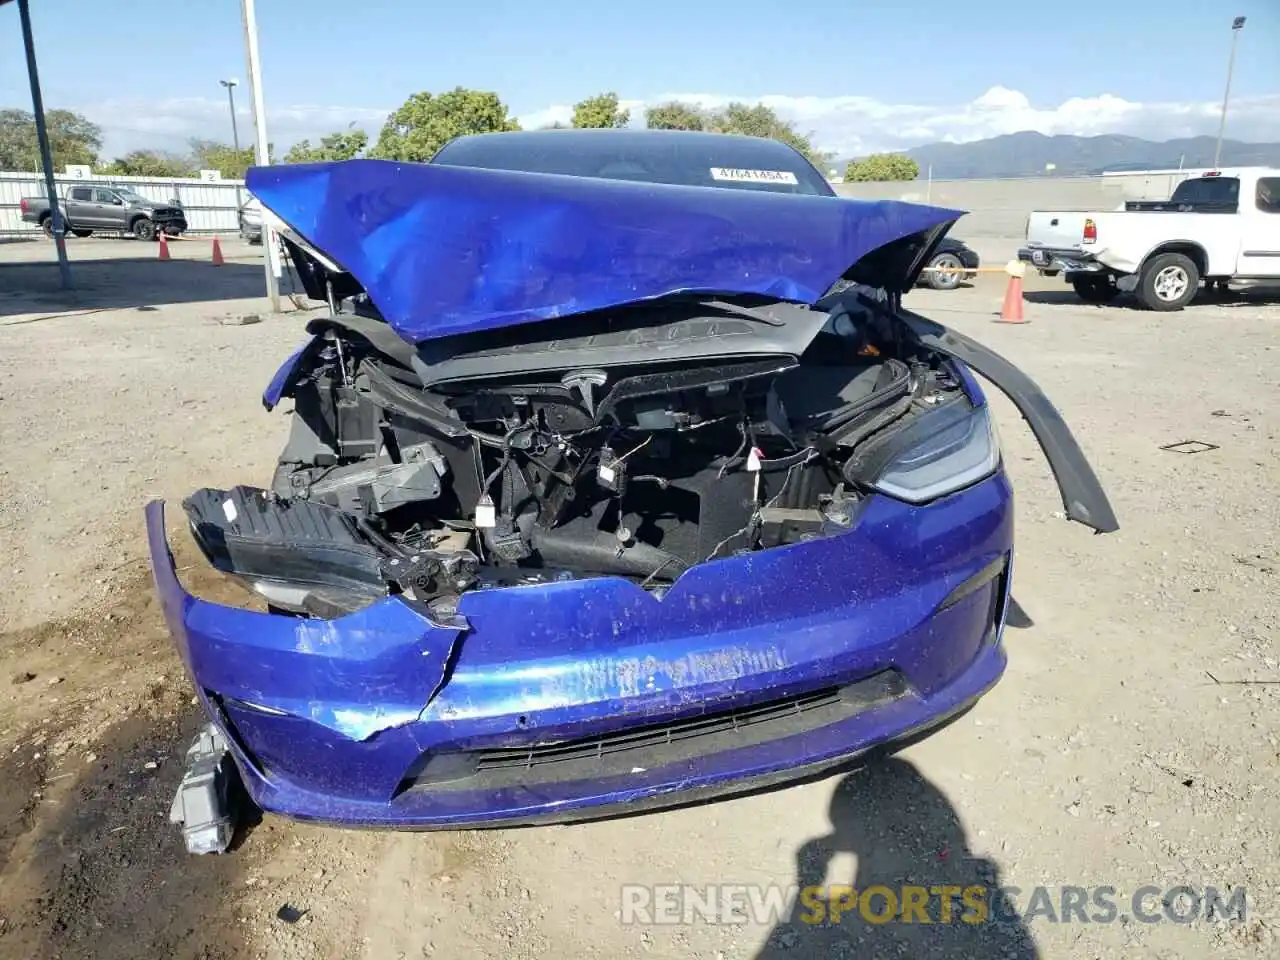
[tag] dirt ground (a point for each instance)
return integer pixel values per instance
(1132, 742)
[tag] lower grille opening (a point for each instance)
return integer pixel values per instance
(653, 745)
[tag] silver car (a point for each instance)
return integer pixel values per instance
(250, 219)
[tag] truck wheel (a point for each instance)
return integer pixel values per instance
(1169, 282)
(47, 226)
(144, 230)
(1095, 289)
(83, 233)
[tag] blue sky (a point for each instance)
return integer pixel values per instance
(860, 75)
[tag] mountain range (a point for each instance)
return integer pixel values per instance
(1027, 154)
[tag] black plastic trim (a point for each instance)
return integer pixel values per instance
(1083, 498)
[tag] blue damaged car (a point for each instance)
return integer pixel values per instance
(619, 475)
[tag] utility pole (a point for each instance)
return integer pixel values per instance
(1236, 26)
(272, 258)
(46, 154)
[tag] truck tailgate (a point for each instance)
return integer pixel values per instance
(1057, 229)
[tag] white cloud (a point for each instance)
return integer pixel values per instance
(562, 113)
(848, 126)
(545, 118)
(854, 125)
(170, 123)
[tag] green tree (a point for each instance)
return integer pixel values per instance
(760, 121)
(675, 116)
(880, 167)
(230, 162)
(426, 122)
(600, 111)
(150, 163)
(346, 145)
(72, 139)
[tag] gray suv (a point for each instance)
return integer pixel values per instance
(113, 209)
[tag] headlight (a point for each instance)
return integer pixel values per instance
(945, 450)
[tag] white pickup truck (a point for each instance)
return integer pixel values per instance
(1217, 227)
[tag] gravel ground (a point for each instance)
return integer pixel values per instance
(1133, 741)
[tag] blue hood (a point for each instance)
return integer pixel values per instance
(444, 250)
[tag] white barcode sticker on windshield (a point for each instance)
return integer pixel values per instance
(753, 176)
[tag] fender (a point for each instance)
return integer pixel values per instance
(1083, 498)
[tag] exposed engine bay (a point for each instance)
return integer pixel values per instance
(637, 442)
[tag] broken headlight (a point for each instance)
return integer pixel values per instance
(943, 451)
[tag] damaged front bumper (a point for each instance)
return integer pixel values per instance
(566, 700)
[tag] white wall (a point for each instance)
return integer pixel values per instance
(999, 208)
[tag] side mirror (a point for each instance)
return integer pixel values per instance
(117, 201)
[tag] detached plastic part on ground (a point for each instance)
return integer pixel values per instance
(210, 798)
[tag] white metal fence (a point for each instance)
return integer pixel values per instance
(210, 205)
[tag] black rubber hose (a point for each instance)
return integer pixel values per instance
(859, 433)
(899, 382)
(597, 552)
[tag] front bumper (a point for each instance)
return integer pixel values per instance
(576, 699)
(1054, 260)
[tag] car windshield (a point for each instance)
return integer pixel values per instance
(130, 196)
(686, 159)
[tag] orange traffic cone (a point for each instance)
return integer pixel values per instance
(1011, 311)
(217, 253)
(164, 247)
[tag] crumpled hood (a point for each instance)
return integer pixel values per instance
(444, 250)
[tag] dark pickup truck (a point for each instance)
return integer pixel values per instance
(111, 209)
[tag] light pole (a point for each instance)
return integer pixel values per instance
(1236, 26)
(231, 102)
(235, 133)
(57, 220)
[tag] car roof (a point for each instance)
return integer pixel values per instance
(632, 136)
(1234, 172)
(628, 140)
(687, 157)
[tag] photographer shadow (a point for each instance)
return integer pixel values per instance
(904, 832)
